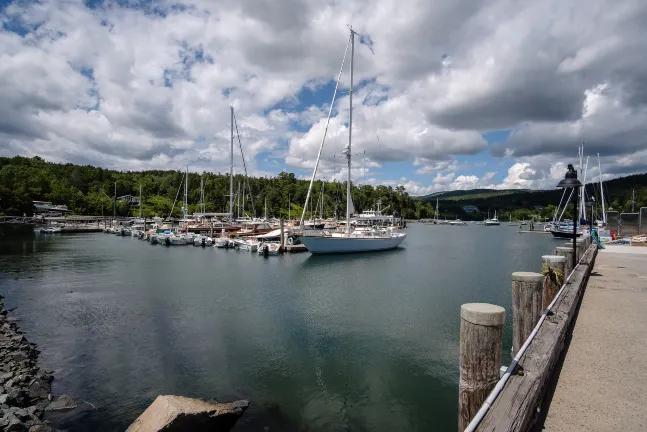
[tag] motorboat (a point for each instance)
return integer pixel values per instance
(457, 222)
(202, 240)
(269, 248)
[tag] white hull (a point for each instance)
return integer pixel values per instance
(323, 245)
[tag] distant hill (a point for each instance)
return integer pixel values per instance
(617, 194)
(470, 194)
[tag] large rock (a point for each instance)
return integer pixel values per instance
(61, 403)
(178, 413)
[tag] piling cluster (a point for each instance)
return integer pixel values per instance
(25, 390)
(533, 300)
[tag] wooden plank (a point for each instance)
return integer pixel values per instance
(515, 409)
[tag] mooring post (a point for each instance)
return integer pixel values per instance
(581, 244)
(566, 252)
(527, 305)
(481, 339)
(282, 236)
(577, 250)
(553, 268)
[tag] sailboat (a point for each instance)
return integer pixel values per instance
(492, 222)
(512, 223)
(348, 240)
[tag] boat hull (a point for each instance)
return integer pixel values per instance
(330, 245)
(564, 234)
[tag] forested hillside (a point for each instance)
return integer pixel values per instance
(90, 190)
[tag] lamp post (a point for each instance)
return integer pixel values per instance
(571, 182)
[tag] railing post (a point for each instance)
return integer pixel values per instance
(566, 252)
(553, 268)
(527, 305)
(481, 339)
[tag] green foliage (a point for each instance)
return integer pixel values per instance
(90, 190)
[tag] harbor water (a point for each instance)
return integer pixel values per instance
(363, 342)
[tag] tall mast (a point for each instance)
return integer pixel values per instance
(633, 200)
(350, 129)
(140, 201)
(322, 199)
(604, 213)
(114, 203)
(266, 208)
(231, 169)
(186, 194)
(436, 208)
(243, 196)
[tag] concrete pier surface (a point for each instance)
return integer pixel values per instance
(602, 384)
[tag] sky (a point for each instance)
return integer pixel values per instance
(447, 94)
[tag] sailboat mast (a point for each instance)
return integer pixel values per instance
(140, 201)
(186, 194)
(265, 208)
(322, 199)
(350, 128)
(604, 214)
(114, 203)
(231, 169)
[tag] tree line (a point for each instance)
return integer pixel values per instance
(89, 190)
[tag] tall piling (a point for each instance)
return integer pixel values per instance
(566, 252)
(282, 247)
(553, 269)
(481, 339)
(527, 305)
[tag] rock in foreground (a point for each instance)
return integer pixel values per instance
(178, 413)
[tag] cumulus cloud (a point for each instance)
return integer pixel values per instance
(140, 84)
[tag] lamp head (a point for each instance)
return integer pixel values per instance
(570, 179)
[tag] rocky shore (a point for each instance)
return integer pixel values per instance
(25, 390)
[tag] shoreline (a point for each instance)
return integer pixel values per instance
(25, 389)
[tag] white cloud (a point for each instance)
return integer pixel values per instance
(127, 88)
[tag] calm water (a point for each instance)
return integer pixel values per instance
(318, 343)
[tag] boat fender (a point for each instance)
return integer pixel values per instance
(290, 241)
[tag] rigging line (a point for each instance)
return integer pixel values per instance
(244, 165)
(323, 139)
(176, 195)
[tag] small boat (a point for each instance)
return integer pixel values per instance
(51, 230)
(247, 245)
(564, 233)
(269, 249)
(202, 240)
(492, 222)
(457, 222)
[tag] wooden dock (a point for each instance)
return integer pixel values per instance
(602, 383)
(542, 316)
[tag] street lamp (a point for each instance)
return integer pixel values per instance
(571, 182)
(591, 203)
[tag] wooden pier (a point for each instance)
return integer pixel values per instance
(544, 306)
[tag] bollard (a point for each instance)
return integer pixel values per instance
(569, 244)
(481, 339)
(581, 246)
(527, 305)
(553, 268)
(566, 252)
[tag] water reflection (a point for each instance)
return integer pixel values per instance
(319, 343)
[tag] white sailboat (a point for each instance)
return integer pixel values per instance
(492, 222)
(349, 240)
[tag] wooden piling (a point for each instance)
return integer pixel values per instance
(527, 305)
(481, 339)
(282, 247)
(553, 268)
(566, 252)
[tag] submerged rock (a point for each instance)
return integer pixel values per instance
(178, 413)
(61, 403)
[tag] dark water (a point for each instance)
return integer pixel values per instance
(363, 342)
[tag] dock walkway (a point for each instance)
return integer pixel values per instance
(602, 384)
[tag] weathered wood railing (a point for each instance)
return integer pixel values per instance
(542, 312)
